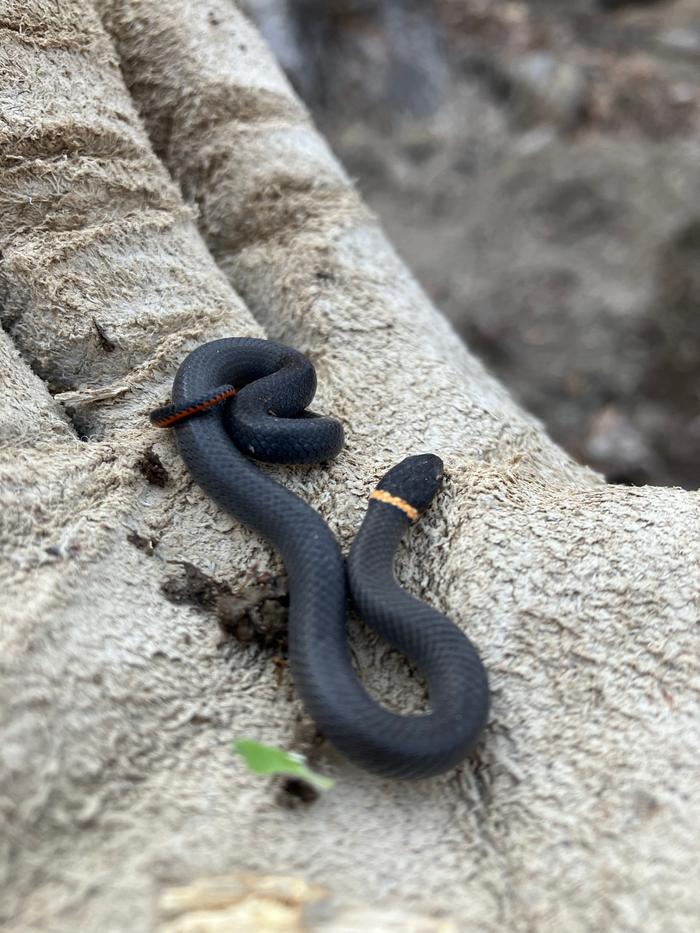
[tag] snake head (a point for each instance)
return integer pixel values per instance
(415, 480)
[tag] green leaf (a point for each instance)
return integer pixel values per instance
(265, 759)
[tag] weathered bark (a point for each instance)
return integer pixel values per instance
(577, 813)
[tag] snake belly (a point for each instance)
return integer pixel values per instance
(267, 420)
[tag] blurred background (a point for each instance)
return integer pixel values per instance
(537, 164)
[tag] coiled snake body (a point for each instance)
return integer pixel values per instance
(241, 397)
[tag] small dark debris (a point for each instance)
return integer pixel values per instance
(258, 614)
(147, 545)
(61, 551)
(192, 587)
(309, 741)
(295, 791)
(152, 468)
(201, 718)
(57, 384)
(107, 345)
(255, 615)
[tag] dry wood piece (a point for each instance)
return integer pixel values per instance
(118, 706)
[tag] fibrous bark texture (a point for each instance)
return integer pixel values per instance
(162, 186)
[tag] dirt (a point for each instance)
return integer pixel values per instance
(536, 165)
(107, 344)
(293, 792)
(254, 614)
(258, 614)
(151, 466)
